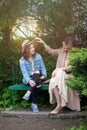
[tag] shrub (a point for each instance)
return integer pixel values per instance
(81, 127)
(78, 60)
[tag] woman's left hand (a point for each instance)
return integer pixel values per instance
(42, 77)
(64, 68)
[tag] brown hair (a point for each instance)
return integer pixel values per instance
(70, 40)
(26, 50)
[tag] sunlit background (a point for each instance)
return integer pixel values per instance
(24, 27)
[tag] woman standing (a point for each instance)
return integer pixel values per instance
(33, 71)
(59, 92)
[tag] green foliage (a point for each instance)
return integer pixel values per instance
(9, 56)
(81, 127)
(55, 18)
(78, 60)
(84, 92)
(11, 12)
(50, 63)
(80, 22)
(24, 104)
(58, 18)
(5, 97)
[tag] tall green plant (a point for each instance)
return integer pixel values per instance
(81, 127)
(78, 60)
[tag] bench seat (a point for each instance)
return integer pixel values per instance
(24, 87)
(17, 87)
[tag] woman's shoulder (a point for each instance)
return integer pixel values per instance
(22, 60)
(38, 55)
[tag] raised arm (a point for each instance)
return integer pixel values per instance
(47, 48)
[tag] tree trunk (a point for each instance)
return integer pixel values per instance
(6, 34)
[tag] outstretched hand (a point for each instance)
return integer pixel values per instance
(39, 40)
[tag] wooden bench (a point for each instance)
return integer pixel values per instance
(16, 86)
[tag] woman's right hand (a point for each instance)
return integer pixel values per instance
(32, 83)
(54, 73)
(37, 39)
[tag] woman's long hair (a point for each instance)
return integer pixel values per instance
(70, 40)
(26, 50)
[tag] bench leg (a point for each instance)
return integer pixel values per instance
(13, 103)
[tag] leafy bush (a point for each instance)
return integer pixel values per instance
(9, 54)
(81, 127)
(5, 96)
(78, 60)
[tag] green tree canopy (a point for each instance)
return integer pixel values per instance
(10, 11)
(55, 18)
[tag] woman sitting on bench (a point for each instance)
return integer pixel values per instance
(58, 90)
(33, 71)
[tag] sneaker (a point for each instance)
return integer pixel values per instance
(34, 108)
(26, 96)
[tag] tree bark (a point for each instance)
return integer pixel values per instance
(6, 34)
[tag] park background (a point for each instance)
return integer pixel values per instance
(52, 20)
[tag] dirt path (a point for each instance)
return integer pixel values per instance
(27, 120)
(23, 123)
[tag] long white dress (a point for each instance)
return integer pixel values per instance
(59, 81)
(69, 97)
